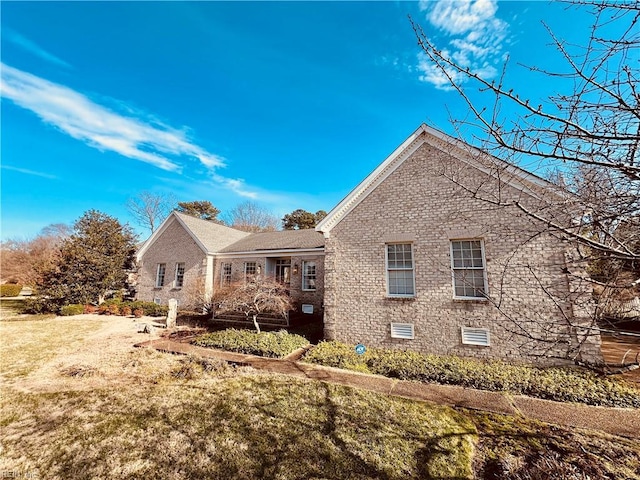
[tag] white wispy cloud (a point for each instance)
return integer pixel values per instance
(133, 134)
(236, 185)
(29, 172)
(475, 38)
(32, 47)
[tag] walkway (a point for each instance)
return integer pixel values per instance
(615, 421)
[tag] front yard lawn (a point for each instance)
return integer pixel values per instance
(98, 408)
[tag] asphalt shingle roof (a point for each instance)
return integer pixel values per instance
(279, 240)
(212, 235)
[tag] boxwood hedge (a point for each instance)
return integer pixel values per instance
(267, 344)
(560, 384)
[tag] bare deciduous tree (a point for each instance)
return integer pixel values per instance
(149, 209)
(251, 217)
(585, 137)
(260, 295)
(23, 261)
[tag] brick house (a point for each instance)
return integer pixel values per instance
(431, 252)
(178, 255)
(187, 256)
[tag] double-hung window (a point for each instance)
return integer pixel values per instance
(160, 271)
(469, 271)
(308, 275)
(400, 272)
(179, 275)
(249, 271)
(226, 274)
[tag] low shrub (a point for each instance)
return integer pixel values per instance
(39, 305)
(114, 309)
(10, 290)
(90, 309)
(73, 309)
(267, 344)
(138, 312)
(338, 355)
(560, 384)
(103, 309)
(125, 310)
(149, 308)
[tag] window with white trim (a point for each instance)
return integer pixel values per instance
(308, 275)
(249, 270)
(160, 271)
(226, 274)
(179, 275)
(400, 273)
(469, 271)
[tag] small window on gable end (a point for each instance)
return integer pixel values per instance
(179, 275)
(476, 336)
(160, 272)
(402, 330)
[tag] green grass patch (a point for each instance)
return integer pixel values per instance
(267, 344)
(243, 428)
(560, 384)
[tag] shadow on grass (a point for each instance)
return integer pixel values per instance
(242, 428)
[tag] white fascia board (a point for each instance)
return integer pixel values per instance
(154, 236)
(518, 174)
(464, 153)
(152, 239)
(272, 253)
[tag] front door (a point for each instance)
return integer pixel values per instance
(283, 271)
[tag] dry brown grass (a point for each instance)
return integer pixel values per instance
(78, 401)
(97, 408)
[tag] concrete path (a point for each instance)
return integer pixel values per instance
(615, 421)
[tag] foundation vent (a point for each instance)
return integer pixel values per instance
(402, 330)
(476, 336)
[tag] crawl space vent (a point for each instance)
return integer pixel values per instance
(402, 330)
(475, 336)
(307, 308)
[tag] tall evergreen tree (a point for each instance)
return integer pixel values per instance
(92, 262)
(203, 209)
(301, 219)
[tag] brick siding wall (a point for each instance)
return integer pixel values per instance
(298, 295)
(173, 246)
(427, 202)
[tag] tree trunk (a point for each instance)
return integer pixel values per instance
(255, 323)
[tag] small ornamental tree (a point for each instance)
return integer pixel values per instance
(255, 297)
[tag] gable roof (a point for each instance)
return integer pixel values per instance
(307, 239)
(472, 156)
(209, 236)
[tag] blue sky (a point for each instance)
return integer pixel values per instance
(287, 104)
